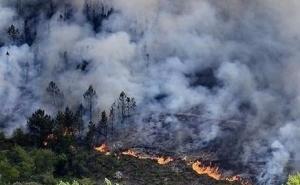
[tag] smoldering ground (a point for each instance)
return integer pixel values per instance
(232, 63)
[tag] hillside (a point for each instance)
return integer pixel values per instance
(46, 167)
(210, 84)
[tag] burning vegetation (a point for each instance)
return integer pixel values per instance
(197, 166)
(164, 160)
(65, 135)
(230, 66)
(159, 160)
(103, 149)
(207, 170)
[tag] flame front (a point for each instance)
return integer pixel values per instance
(132, 153)
(164, 160)
(197, 166)
(160, 160)
(104, 149)
(207, 170)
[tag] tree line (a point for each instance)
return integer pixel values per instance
(75, 127)
(95, 12)
(61, 146)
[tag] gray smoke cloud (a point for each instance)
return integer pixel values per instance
(227, 64)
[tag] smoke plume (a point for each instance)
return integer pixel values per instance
(224, 74)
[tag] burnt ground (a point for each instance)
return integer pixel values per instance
(131, 171)
(158, 138)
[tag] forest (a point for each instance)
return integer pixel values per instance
(60, 150)
(138, 92)
(60, 146)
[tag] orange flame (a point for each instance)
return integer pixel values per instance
(207, 170)
(132, 153)
(160, 160)
(234, 178)
(164, 160)
(197, 166)
(104, 149)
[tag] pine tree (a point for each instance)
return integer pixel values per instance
(40, 126)
(96, 12)
(19, 137)
(112, 118)
(89, 97)
(103, 128)
(66, 122)
(55, 94)
(13, 32)
(126, 106)
(91, 135)
(122, 106)
(79, 120)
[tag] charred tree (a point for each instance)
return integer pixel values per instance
(96, 13)
(103, 126)
(126, 106)
(13, 33)
(122, 106)
(91, 135)
(89, 97)
(112, 118)
(55, 94)
(79, 120)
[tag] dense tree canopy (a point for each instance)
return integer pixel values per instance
(40, 126)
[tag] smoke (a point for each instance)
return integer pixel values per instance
(207, 65)
(7, 15)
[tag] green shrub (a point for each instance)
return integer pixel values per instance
(22, 161)
(294, 179)
(17, 183)
(108, 182)
(86, 181)
(32, 183)
(46, 178)
(44, 161)
(8, 173)
(67, 183)
(26, 183)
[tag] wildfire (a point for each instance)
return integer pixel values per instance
(164, 160)
(49, 138)
(197, 166)
(160, 160)
(207, 170)
(239, 179)
(104, 149)
(133, 154)
(234, 178)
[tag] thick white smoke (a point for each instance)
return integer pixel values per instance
(234, 61)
